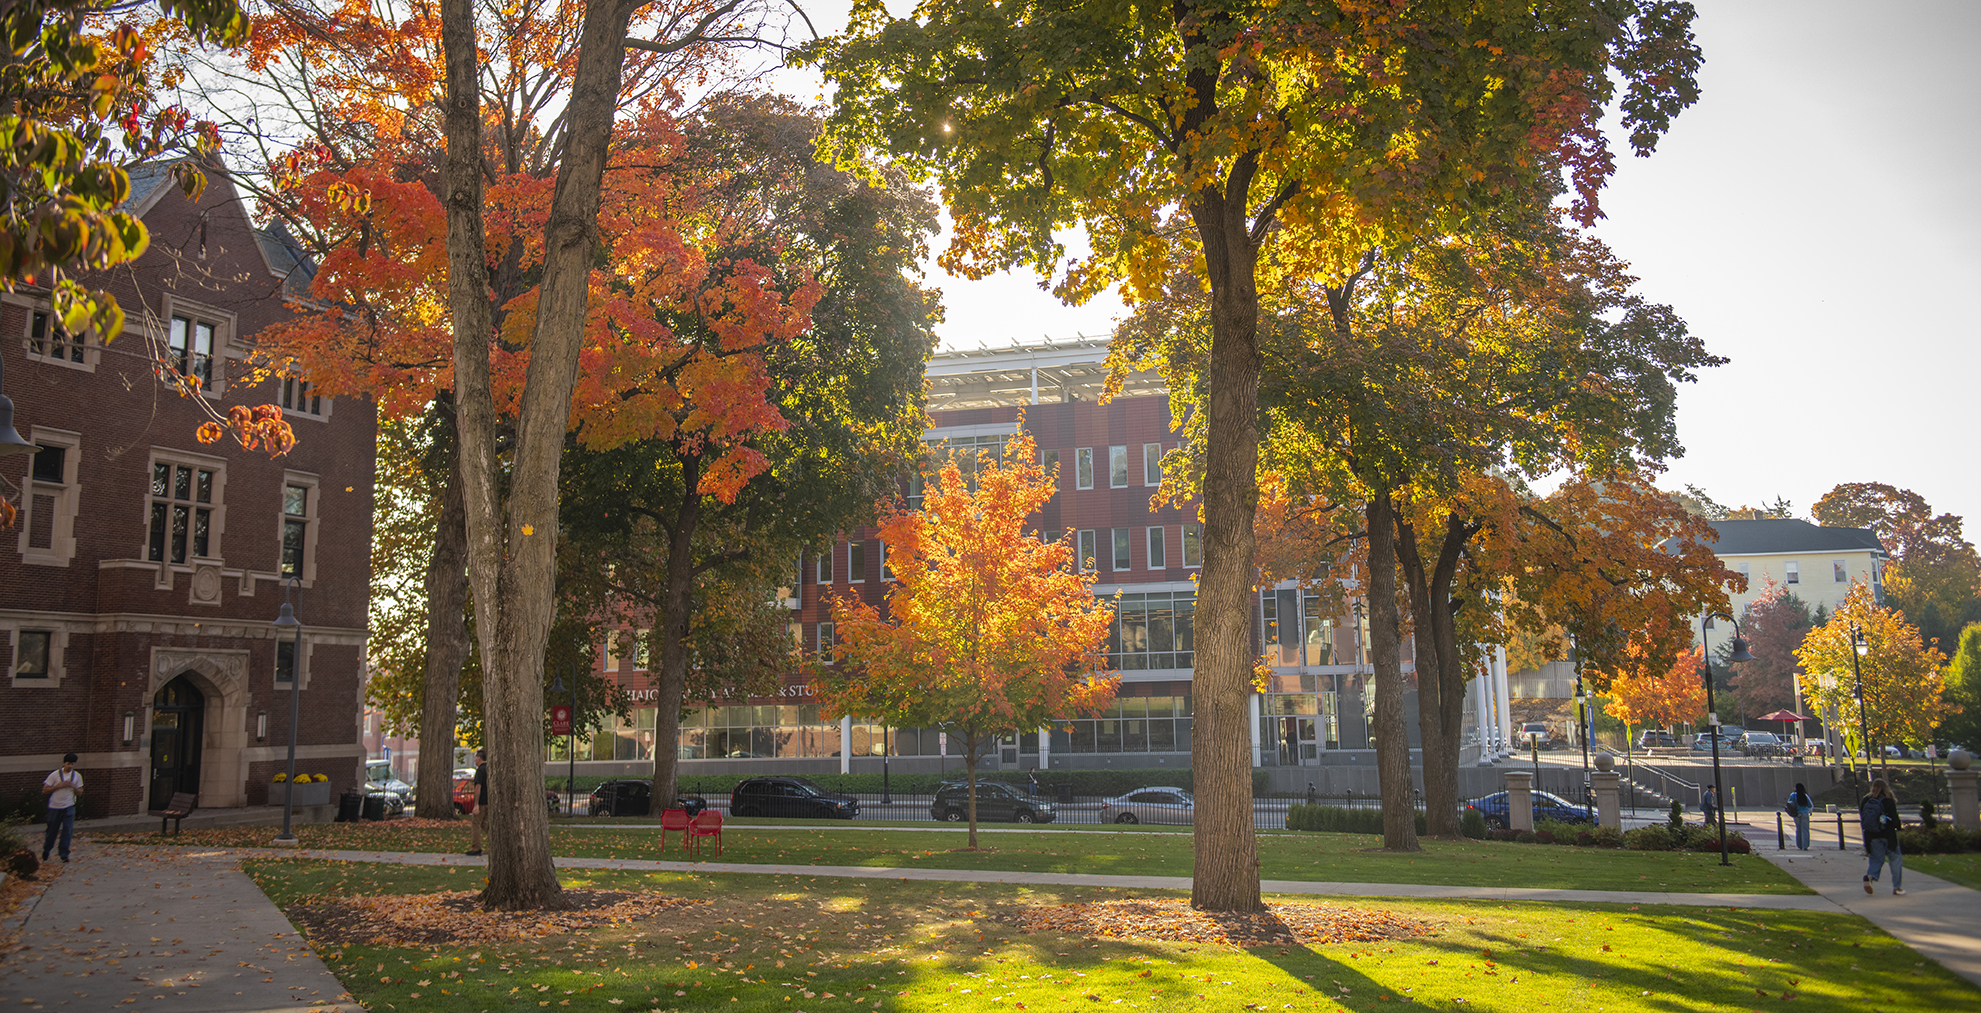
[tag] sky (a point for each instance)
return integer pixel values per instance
(1815, 218)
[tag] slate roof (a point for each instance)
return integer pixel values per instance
(1772, 537)
(145, 178)
(287, 258)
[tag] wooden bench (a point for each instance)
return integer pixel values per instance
(182, 805)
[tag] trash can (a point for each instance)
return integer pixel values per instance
(350, 806)
(374, 807)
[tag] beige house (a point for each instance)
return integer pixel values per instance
(1817, 564)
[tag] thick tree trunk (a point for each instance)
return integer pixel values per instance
(512, 560)
(1440, 671)
(1227, 851)
(676, 605)
(1392, 740)
(446, 645)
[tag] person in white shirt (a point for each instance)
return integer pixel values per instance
(61, 788)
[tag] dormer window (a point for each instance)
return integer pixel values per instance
(189, 349)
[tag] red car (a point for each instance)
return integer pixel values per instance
(464, 797)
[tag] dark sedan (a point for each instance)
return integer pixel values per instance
(1547, 806)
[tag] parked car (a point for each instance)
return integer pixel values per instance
(996, 803)
(1656, 740)
(1161, 806)
(1547, 806)
(391, 803)
(633, 798)
(1762, 744)
(1704, 744)
(464, 795)
(791, 797)
(391, 784)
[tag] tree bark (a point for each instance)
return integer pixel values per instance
(1226, 875)
(676, 605)
(512, 559)
(446, 642)
(1440, 671)
(1392, 740)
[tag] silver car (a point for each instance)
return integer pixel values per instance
(1161, 806)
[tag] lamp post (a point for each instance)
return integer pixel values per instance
(10, 439)
(1860, 645)
(886, 747)
(286, 620)
(1738, 654)
(570, 747)
(1581, 713)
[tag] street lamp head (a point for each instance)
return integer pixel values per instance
(10, 440)
(287, 618)
(1739, 650)
(1859, 642)
(558, 686)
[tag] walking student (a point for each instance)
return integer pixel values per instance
(1709, 804)
(61, 788)
(481, 800)
(1800, 805)
(1879, 815)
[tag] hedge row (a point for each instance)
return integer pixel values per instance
(1942, 839)
(1093, 783)
(1336, 819)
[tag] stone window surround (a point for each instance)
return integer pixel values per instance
(216, 531)
(58, 646)
(313, 523)
(62, 535)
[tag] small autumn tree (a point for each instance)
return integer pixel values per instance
(989, 630)
(1652, 695)
(1775, 626)
(1903, 684)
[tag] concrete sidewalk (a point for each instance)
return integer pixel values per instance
(1940, 919)
(172, 930)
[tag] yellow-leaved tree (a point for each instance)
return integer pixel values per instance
(988, 630)
(1902, 677)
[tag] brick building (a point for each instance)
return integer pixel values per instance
(138, 591)
(1316, 711)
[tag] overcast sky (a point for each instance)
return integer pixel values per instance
(1816, 218)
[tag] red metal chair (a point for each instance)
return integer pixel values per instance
(672, 820)
(707, 823)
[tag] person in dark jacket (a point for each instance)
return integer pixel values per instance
(1879, 815)
(481, 800)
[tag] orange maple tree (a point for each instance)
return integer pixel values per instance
(988, 629)
(1653, 694)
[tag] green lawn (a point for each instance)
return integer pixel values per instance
(1963, 869)
(796, 943)
(1310, 857)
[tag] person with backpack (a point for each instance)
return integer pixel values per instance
(1799, 806)
(1709, 804)
(1878, 814)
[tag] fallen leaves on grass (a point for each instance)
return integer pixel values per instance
(457, 917)
(1176, 921)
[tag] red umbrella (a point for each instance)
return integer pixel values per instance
(1784, 716)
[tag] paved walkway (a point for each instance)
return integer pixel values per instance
(163, 930)
(1940, 919)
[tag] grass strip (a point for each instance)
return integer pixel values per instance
(794, 943)
(1315, 857)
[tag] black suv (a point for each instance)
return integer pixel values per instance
(634, 798)
(995, 802)
(790, 797)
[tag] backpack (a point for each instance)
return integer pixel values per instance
(1871, 815)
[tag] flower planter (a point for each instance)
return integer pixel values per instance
(311, 793)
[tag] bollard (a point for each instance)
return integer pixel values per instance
(1781, 839)
(1840, 846)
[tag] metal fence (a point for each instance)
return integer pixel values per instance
(1267, 813)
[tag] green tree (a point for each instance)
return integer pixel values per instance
(1935, 574)
(1963, 690)
(1253, 143)
(840, 403)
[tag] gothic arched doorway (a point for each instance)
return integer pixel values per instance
(177, 713)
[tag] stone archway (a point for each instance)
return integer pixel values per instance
(221, 676)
